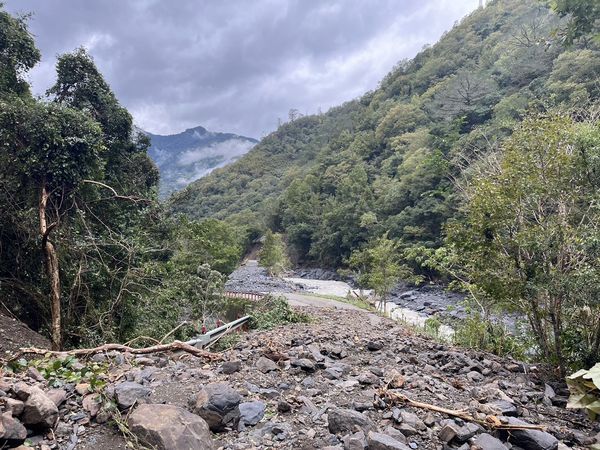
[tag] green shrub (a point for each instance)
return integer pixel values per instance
(484, 334)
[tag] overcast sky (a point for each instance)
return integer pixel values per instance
(235, 65)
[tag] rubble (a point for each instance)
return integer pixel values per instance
(323, 392)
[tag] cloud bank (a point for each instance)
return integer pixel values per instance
(235, 65)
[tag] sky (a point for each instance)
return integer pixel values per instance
(235, 65)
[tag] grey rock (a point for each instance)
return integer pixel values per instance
(374, 346)
(530, 439)
(488, 442)
(503, 408)
(14, 407)
(356, 441)
(39, 410)
(168, 427)
(380, 441)
(412, 420)
(251, 412)
(305, 364)
(129, 392)
(396, 434)
(467, 431)
(58, 396)
(265, 365)
(283, 406)
(229, 367)
(343, 421)
(218, 404)
(12, 432)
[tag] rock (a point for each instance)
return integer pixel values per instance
(168, 427)
(488, 442)
(503, 408)
(58, 396)
(475, 376)
(14, 407)
(217, 403)
(392, 432)
(380, 441)
(305, 364)
(82, 388)
(368, 378)
(265, 365)
(229, 367)
(129, 392)
(374, 346)
(92, 404)
(467, 431)
(356, 441)
(345, 421)
(412, 420)
(22, 391)
(12, 432)
(35, 374)
(39, 410)
(448, 432)
(283, 406)
(333, 373)
(251, 412)
(530, 439)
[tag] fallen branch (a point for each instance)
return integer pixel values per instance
(172, 347)
(490, 422)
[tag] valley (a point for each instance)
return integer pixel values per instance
(415, 268)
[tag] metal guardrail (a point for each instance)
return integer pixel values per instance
(245, 295)
(212, 336)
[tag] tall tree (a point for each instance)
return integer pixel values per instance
(55, 149)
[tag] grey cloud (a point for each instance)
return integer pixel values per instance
(235, 65)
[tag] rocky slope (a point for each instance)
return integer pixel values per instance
(193, 153)
(304, 386)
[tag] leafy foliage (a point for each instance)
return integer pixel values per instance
(529, 238)
(584, 386)
(273, 254)
(383, 163)
(61, 371)
(377, 266)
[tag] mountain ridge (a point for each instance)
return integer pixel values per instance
(193, 153)
(384, 163)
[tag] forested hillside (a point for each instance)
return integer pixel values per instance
(86, 253)
(385, 162)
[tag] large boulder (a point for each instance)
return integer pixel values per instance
(218, 404)
(39, 411)
(530, 439)
(129, 392)
(168, 427)
(344, 421)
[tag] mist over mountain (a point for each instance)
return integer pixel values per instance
(187, 156)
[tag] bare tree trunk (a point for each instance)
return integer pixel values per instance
(52, 268)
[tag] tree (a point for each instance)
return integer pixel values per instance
(18, 54)
(529, 239)
(273, 255)
(583, 17)
(210, 241)
(378, 267)
(56, 148)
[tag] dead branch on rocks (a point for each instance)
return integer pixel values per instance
(172, 347)
(490, 422)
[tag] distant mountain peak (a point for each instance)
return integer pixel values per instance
(191, 154)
